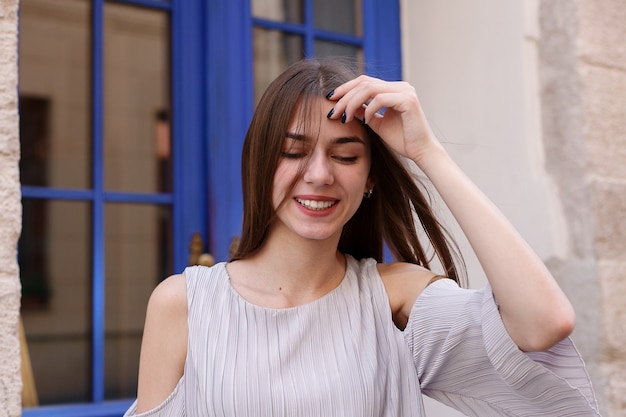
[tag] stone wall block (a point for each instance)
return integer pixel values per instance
(602, 39)
(612, 277)
(605, 114)
(617, 388)
(610, 221)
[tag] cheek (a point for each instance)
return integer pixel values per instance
(283, 178)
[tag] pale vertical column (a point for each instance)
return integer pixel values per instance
(10, 214)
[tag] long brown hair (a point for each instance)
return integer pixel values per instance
(388, 217)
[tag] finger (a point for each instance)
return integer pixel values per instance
(363, 91)
(355, 101)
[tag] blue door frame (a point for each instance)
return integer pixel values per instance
(212, 103)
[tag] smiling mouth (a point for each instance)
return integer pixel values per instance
(316, 204)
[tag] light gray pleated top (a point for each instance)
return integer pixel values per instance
(342, 355)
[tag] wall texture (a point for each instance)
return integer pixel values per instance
(530, 99)
(10, 214)
(583, 96)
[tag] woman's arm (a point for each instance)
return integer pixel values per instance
(535, 311)
(164, 343)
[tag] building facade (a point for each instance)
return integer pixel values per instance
(529, 98)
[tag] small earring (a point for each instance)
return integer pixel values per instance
(368, 193)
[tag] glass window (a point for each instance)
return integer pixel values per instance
(137, 254)
(274, 51)
(55, 268)
(342, 16)
(332, 28)
(55, 98)
(136, 96)
(97, 214)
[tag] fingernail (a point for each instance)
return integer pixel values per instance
(343, 117)
(330, 113)
(330, 94)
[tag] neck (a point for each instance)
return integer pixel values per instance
(301, 263)
(288, 272)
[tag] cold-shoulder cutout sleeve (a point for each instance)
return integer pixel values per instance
(465, 358)
(172, 406)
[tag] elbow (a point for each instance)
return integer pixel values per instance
(551, 331)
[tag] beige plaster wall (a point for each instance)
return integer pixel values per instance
(530, 99)
(474, 65)
(10, 214)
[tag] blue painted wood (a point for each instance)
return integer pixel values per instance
(153, 4)
(29, 191)
(188, 126)
(230, 101)
(314, 33)
(98, 274)
(120, 197)
(382, 39)
(309, 40)
(88, 195)
(104, 409)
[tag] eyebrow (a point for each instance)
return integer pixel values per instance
(336, 141)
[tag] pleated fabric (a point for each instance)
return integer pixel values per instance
(342, 355)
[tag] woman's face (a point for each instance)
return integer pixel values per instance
(330, 188)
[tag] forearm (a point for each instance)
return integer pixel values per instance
(535, 311)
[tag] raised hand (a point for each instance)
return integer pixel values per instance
(391, 109)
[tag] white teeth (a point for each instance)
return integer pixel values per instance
(315, 204)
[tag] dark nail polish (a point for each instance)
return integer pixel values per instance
(343, 117)
(330, 94)
(330, 113)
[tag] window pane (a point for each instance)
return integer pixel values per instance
(273, 52)
(279, 10)
(342, 16)
(55, 269)
(137, 151)
(138, 255)
(55, 101)
(324, 48)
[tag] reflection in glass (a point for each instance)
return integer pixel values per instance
(342, 16)
(273, 52)
(137, 153)
(55, 269)
(55, 100)
(325, 48)
(291, 11)
(138, 254)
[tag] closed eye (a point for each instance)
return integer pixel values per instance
(292, 155)
(346, 159)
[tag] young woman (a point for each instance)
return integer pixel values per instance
(306, 320)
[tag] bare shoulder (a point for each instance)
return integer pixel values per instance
(171, 295)
(164, 343)
(404, 282)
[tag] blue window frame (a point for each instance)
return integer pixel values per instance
(212, 103)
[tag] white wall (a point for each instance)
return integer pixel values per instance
(474, 67)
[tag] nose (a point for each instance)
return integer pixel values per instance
(318, 170)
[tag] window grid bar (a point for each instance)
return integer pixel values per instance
(309, 40)
(306, 30)
(153, 4)
(98, 284)
(30, 191)
(113, 408)
(88, 195)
